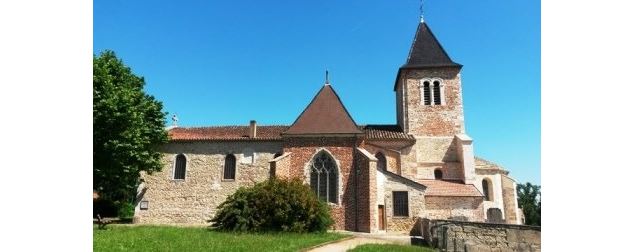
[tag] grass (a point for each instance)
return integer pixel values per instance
(165, 238)
(390, 247)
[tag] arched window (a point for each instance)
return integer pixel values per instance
(324, 177)
(179, 167)
(487, 190)
(438, 174)
(437, 93)
(426, 93)
(230, 167)
(381, 161)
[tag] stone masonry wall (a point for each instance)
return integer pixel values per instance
(366, 193)
(194, 200)
(392, 157)
(465, 208)
(416, 204)
(458, 236)
(433, 120)
(509, 200)
(342, 149)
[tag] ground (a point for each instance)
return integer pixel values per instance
(165, 238)
(390, 247)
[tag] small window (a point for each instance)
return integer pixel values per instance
(438, 174)
(381, 161)
(179, 167)
(230, 167)
(437, 93)
(426, 93)
(487, 190)
(400, 203)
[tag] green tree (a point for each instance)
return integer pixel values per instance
(529, 200)
(128, 128)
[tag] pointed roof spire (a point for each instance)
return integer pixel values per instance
(426, 51)
(324, 115)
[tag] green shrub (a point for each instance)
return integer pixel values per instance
(126, 210)
(273, 205)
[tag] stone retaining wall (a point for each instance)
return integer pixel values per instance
(460, 236)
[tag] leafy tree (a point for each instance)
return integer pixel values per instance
(128, 127)
(273, 205)
(529, 200)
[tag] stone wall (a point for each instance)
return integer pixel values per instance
(194, 199)
(366, 164)
(459, 236)
(509, 200)
(416, 205)
(281, 165)
(431, 120)
(465, 208)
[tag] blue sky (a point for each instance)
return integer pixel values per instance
(227, 62)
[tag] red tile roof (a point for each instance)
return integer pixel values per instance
(233, 132)
(226, 133)
(385, 132)
(324, 115)
(449, 188)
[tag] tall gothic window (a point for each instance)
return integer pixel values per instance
(426, 93)
(229, 172)
(324, 176)
(437, 93)
(179, 167)
(381, 161)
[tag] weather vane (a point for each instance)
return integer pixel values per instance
(174, 119)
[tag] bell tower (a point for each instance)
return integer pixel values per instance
(430, 107)
(428, 89)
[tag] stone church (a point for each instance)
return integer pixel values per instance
(376, 178)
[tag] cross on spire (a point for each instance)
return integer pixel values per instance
(327, 77)
(420, 11)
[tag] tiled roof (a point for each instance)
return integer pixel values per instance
(237, 133)
(449, 188)
(324, 115)
(226, 133)
(385, 132)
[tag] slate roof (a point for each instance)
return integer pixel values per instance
(226, 133)
(324, 115)
(426, 51)
(449, 188)
(385, 132)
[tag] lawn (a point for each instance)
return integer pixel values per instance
(390, 247)
(164, 238)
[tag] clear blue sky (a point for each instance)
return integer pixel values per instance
(227, 62)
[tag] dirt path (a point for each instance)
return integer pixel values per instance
(348, 244)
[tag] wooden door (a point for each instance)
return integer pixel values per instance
(382, 212)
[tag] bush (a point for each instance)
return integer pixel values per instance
(273, 205)
(126, 210)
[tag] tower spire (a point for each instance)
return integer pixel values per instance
(420, 11)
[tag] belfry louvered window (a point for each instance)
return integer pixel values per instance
(229, 172)
(437, 93)
(426, 93)
(179, 167)
(324, 177)
(400, 203)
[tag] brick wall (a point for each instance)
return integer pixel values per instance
(466, 208)
(435, 120)
(343, 150)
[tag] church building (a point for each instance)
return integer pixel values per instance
(375, 178)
